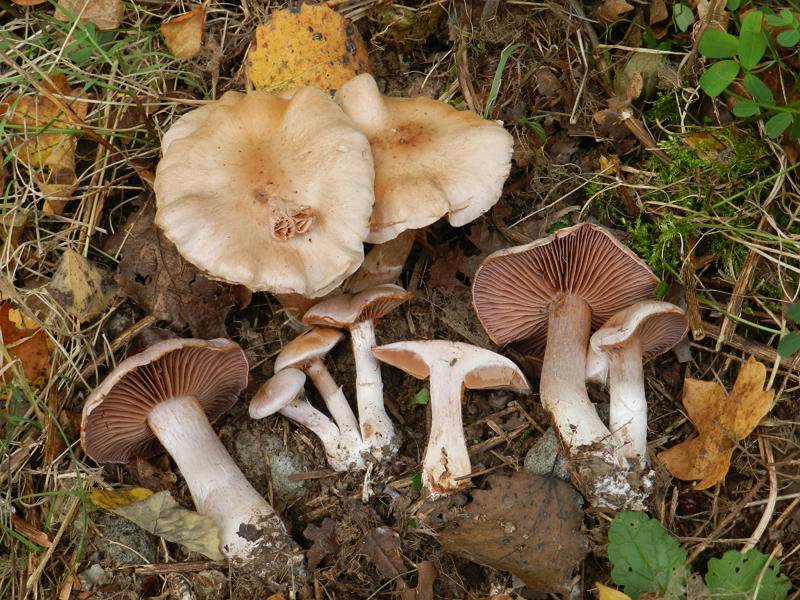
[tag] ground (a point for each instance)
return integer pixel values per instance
(602, 133)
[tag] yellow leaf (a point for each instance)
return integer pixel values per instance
(709, 146)
(110, 499)
(80, 287)
(607, 593)
(184, 34)
(306, 45)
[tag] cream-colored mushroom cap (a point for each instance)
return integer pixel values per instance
(271, 192)
(431, 160)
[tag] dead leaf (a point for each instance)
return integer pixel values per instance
(635, 86)
(708, 146)
(25, 341)
(721, 17)
(104, 14)
(426, 575)
(111, 499)
(83, 289)
(28, 2)
(184, 34)
(382, 547)
(406, 28)
(722, 421)
(305, 45)
(154, 274)
(527, 524)
(162, 516)
(443, 272)
(324, 542)
(150, 476)
(611, 11)
(607, 593)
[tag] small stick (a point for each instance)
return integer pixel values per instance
(768, 458)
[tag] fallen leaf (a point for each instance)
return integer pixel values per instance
(150, 476)
(708, 146)
(426, 575)
(607, 593)
(722, 421)
(184, 34)
(159, 280)
(324, 542)
(382, 547)
(26, 342)
(28, 2)
(611, 11)
(84, 290)
(527, 524)
(160, 515)
(104, 14)
(305, 45)
(634, 86)
(443, 272)
(406, 28)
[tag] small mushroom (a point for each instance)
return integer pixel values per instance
(548, 295)
(273, 192)
(166, 397)
(306, 352)
(616, 353)
(357, 313)
(431, 160)
(283, 393)
(451, 366)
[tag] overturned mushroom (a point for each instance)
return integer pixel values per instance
(166, 397)
(451, 366)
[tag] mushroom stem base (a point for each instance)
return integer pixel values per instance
(628, 404)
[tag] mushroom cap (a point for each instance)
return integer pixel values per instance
(657, 325)
(479, 368)
(273, 193)
(115, 415)
(513, 288)
(348, 309)
(431, 160)
(277, 392)
(308, 346)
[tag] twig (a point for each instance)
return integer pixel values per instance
(768, 458)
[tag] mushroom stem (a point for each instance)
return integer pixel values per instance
(628, 410)
(218, 487)
(337, 404)
(300, 411)
(447, 457)
(563, 390)
(376, 427)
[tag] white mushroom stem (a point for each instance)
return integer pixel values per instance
(562, 388)
(218, 487)
(628, 409)
(376, 427)
(336, 402)
(340, 458)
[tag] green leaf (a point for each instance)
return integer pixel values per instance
(795, 131)
(735, 575)
(758, 89)
(682, 15)
(788, 17)
(789, 38)
(733, 4)
(793, 312)
(751, 47)
(646, 558)
(745, 108)
(718, 44)
(714, 81)
(752, 22)
(422, 397)
(416, 481)
(789, 344)
(777, 125)
(776, 21)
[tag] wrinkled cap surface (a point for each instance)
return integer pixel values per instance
(309, 346)
(271, 192)
(347, 309)
(115, 415)
(658, 326)
(513, 288)
(278, 391)
(431, 160)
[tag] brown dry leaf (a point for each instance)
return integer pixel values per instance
(149, 476)
(184, 34)
(406, 28)
(527, 524)
(105, 14)
(305, 45)
(610, 11)
(607, 593)
(324, 542)
(83, 289)
(426, 575)
(382, 547)
(635, 86)
(721, 17)
(154, 274)
(26, 342)
(722, 421)
(162, 516)
(486, 240)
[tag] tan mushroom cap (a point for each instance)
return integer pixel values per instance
(277, 392)
(431, 160)
(115, 415)
(308, 346)
(273, 193)
(658, 326)
(513, 288)
(347, 309)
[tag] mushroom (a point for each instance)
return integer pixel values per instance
(357, 313)
(284, 394)
(306, 352)
(271, 192)
(165, 398)
(556, 289)
(451, 366)
(617, 351)
(430, 159)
